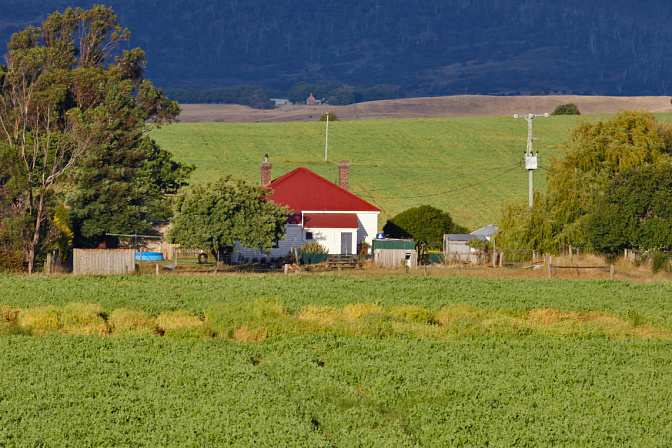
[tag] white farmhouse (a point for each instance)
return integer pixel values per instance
(322, 212)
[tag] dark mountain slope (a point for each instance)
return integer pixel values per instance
(422, 47)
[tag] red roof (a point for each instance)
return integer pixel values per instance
(301, 189)
(330, 221)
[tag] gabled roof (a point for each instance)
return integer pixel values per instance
(301, 189)
(486, 231)
(463, 237)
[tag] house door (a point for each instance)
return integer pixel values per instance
(346, 243)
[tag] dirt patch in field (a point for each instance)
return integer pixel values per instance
(448, 106)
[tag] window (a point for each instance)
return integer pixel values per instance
(309, 235)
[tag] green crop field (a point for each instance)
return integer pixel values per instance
(510, 363)
(196, 293)
(323, 391)
(469, 167)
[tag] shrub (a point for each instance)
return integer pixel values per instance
(313, 248)
(11, 260)
(661, 261)
(566, 109)
(332, 117)
(424, 224)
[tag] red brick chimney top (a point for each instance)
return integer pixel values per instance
(344, 174)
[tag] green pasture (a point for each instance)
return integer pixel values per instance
(469, 167)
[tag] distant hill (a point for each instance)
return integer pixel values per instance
(449, 106)
(418, 47)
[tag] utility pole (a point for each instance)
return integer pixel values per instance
(326, 140)
(531, 160)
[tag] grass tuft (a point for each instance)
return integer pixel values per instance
(126, 322)
(356, 311)
(41, 320)
(83, 318)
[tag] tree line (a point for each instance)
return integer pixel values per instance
(260, 98)
(609, 192)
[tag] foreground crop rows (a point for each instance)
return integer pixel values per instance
(197, 293)
(338, 390)
(334, 391)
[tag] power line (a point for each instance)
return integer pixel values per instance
(448, 191)
(417, 184)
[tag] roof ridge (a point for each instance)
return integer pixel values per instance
(303, 170)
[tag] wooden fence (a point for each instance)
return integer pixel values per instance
(609, 269)
(103, 261)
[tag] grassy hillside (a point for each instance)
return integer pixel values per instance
(469, 167)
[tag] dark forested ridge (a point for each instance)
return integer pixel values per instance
(418, 47)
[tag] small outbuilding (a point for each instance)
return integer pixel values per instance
(393, 253)
(103, 261)
(456, 247)
(281, 102)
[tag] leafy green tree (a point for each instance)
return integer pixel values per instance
(566, 109)
(216, 216)
(594, 154)
(343, 95)
(332, 117)
(64, 109)
(424, 224)
(121, 186)
(634, 212)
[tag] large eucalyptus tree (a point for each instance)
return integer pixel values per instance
(74, 113)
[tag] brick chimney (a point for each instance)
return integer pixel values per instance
(266, 171)
(344, 174)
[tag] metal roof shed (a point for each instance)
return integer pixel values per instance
(393, 253)
(456, 248)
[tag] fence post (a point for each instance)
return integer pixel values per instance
(550, 267)
(612, 271)
(157, 269)
(47, 264)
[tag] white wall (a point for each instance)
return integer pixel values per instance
(330, 238)
(368, 226)
(293, 238)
